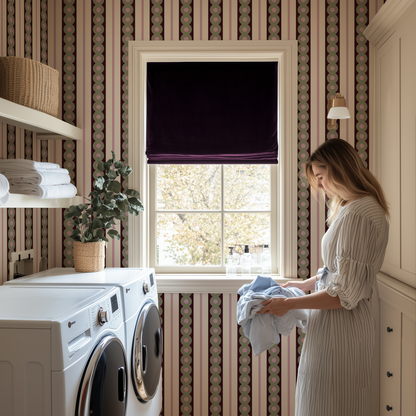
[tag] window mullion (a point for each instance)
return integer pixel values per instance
(222, 218)
(188, 211)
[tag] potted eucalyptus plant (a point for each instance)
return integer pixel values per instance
(94, 220)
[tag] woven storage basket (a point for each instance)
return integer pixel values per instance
(89, 257)
(29, 83)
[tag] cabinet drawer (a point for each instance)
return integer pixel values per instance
(390, 359)
(390, 395)
(408, 366)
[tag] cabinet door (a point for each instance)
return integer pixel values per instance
(408, 149)
(408, 366)
(396, 144)
(388, 114)
(390, 359)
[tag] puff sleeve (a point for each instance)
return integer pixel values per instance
(356, 253)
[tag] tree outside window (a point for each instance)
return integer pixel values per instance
(202, 210)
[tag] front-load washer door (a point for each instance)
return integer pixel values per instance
(147, 352)
(103, 390)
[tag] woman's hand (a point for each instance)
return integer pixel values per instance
(275, 306)
(304, 285)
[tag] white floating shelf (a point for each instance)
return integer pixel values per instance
(27, 201)
(47, 127)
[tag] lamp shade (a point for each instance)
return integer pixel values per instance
(339, 113)
(338, 108)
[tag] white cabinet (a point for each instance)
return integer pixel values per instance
(397, 347)
(392, 34)
(46, 127)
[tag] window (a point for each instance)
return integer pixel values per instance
(283, 177)
(198, 212)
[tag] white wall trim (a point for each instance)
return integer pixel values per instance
(285, 52)
(380, 27)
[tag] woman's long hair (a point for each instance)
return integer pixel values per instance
(346, 174)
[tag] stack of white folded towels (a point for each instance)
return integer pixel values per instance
(4, 190)
(39, 179)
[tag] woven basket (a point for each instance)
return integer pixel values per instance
(89, 257)
(29, 83)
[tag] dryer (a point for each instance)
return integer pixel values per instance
(61, 351)
(144, 337)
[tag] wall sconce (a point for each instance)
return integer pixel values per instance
(336, 109)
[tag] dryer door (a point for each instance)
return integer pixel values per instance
(103, 390)
(147, 353)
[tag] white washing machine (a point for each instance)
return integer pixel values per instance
(61, 351)
(144, 337)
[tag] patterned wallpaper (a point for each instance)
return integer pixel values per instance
(208, 365)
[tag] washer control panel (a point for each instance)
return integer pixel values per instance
(79, 330)
(107, 312)
(148, 285)
(103, 316)
(137, 291)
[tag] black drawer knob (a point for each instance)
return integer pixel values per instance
(389, 408)
(389, 329)
(389, 374)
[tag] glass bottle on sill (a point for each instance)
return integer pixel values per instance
(266, 261)
(246, 262)
(230, 267)
(236, 258)
(256, 253)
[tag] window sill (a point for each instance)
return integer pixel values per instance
(205, 283)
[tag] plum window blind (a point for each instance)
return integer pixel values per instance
(212, 113)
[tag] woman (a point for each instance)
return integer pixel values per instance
(334, 377)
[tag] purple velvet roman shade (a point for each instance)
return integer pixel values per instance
(212, 113)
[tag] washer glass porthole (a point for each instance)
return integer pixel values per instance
(103, 390)
(147, 352)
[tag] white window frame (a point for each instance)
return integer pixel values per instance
(285, 53)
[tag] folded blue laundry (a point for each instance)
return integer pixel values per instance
(263, 330)
(325, 278)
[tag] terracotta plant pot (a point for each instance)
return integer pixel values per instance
(89, 257)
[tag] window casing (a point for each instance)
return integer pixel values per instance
(284, 251)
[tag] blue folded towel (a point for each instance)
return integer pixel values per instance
(263, 330)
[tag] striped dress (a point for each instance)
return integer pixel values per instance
(334, 376)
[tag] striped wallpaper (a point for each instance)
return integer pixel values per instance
(208, 365)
